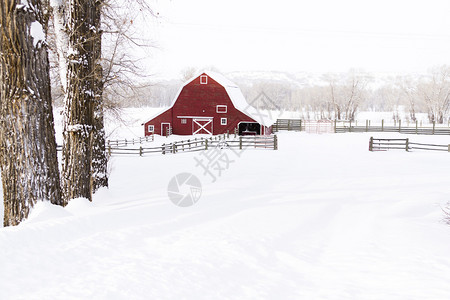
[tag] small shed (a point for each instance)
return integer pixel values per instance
(211, 104)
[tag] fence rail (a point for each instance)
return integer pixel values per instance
(323, 126)
(415, 129)
(403, 144)
(127, 142)
(243, 142)
(287, 124)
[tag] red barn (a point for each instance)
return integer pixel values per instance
(209, 104)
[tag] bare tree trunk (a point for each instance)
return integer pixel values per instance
(80, 99)
(28, 158)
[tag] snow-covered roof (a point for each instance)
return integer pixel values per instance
(235, 94)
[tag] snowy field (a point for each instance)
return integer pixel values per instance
(321, 218)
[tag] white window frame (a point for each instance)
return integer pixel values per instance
(183, 121)
(221, 106)
(203, 79)
(151, 128)
(223, 121)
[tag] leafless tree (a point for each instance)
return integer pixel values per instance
(435, 92)
(28, 159)
(83, 23)
(346, 91)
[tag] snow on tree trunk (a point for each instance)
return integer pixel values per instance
(99, 157)
(28, 159)
(83, 20)
(59, 9)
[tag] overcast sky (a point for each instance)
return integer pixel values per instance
(313, 36)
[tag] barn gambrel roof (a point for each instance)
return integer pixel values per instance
(235, 94)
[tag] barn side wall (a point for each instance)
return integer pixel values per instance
(165, 117)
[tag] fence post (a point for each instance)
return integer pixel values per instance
(275, 142)
(400, 126)
(382, 125)
(367, 125)
(417, 124)
(407, 145)
(174, 147)
(289, 125)
(206, 144)
(350, 127)
(371, 144)
(163, 149)
(335, 125)
(240, 143)
(434, 126)
(125, 142)
(109, 150)
(448, 147)
(140, 151)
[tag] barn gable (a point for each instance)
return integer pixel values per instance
(208, 103)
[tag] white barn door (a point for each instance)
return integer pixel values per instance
(202, 126)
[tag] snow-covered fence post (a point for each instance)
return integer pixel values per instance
(382, 125)
(275, 142)
(371, 144)
(407, 145)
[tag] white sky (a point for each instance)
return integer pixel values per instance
(313, 35)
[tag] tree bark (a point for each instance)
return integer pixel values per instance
(99, 159)
(28, 159)
(83, 20)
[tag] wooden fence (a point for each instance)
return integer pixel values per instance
(287, 124)
(403, 144)
(192, 145)
(127, 142)
(324, 126)
(414, 129)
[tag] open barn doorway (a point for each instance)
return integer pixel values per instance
(248, 128)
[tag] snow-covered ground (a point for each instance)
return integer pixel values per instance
(321, 218)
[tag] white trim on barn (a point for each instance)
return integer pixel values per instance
(209, 120)
(223, 107)
(162, 131)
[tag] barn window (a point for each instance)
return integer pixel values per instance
(183, 121)
(203, 79)
(221, 109)
(151, 128)
(223, 121)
